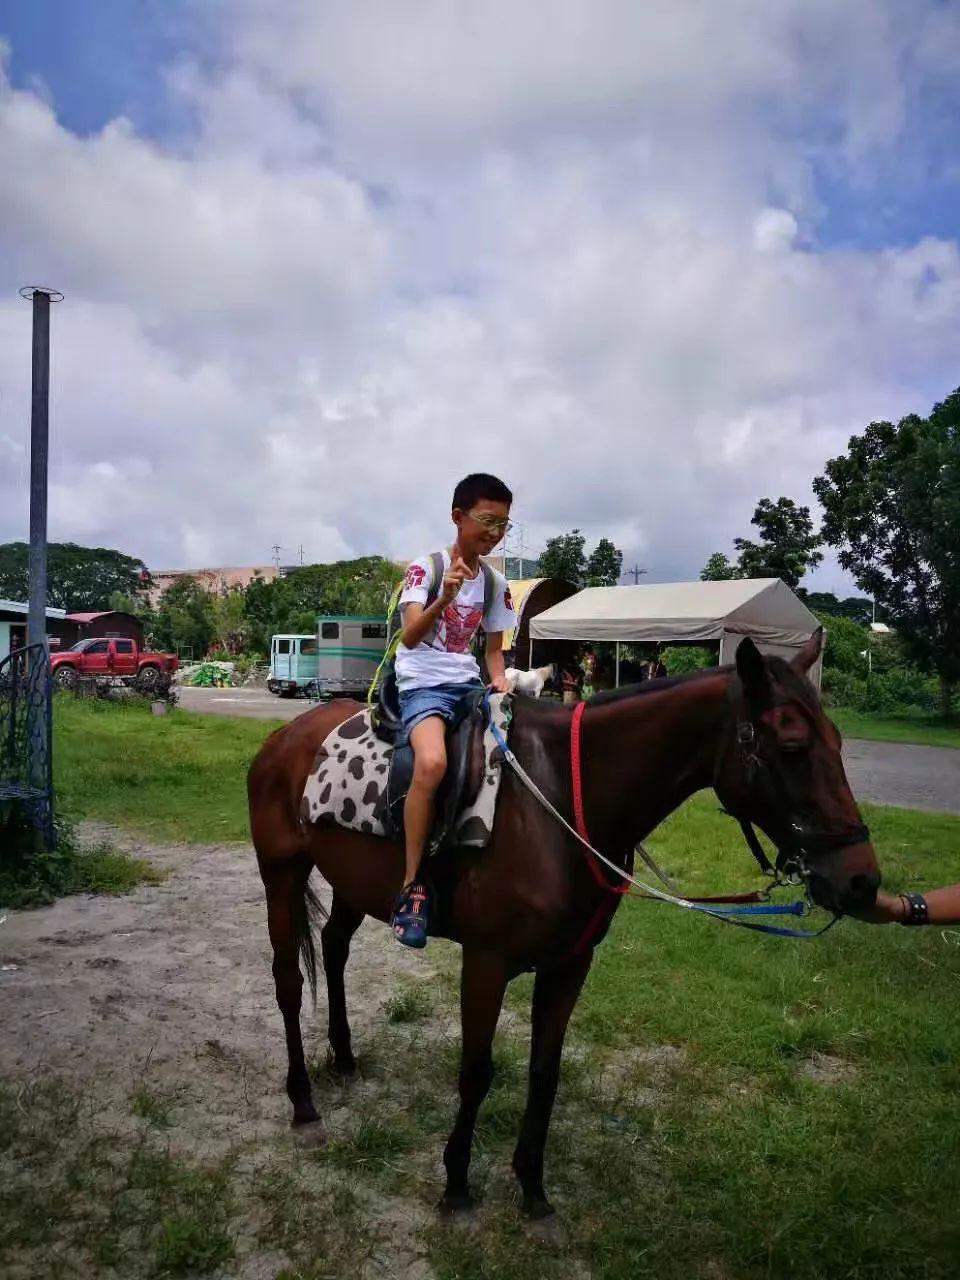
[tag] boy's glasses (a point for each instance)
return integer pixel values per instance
(496, 524)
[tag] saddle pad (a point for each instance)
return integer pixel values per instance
(347, 784)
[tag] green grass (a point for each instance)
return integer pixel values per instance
(929, 731)
(689, 1138)
(176, 777)
(692, 1137)
(31, 876)
(88, 1202)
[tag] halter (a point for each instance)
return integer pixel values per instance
(797, 843)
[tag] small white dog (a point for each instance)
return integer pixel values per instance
(529, 682)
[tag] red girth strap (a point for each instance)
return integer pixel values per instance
(606, 907)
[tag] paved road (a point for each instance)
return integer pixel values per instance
(896, 773)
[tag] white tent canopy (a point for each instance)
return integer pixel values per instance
(684, 613)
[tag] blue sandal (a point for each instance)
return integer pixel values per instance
(411, 915)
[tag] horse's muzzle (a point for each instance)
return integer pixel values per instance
(845, 881)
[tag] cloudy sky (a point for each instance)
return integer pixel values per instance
(647, 261)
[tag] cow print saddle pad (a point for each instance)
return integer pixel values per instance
(347, 785)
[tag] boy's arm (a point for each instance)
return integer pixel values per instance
(495, 667)
(418, 621)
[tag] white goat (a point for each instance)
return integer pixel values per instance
(529, 682)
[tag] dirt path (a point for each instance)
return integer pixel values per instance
(158, 1009)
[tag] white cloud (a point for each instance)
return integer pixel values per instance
(576, 244)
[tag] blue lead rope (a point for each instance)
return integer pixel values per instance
(728, 914)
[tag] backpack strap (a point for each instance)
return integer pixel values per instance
(436, 581)
(395, 622)
(489, 586)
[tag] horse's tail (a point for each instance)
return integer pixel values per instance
(309, 914)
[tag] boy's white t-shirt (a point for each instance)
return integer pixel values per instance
(444, 656)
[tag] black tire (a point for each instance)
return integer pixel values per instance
(273, 687)
(148, 678)
(65, 677)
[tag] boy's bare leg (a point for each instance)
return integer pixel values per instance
(429, 766)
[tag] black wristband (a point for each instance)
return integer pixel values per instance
(916, 909)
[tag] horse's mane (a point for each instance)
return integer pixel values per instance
(659, 685)
(782, 672)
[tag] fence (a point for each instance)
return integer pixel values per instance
(26, 754)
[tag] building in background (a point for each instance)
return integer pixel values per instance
(13, 626)
(215, 580)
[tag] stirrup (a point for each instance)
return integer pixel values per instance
(411, 915)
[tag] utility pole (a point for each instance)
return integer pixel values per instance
(38, 732)
(39, 441)
(637, 573)
(276, 555)
(301, 555)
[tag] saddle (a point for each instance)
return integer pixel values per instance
(465, 762)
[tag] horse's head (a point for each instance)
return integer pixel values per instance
(779, 767)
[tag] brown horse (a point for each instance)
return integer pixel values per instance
(756, 734)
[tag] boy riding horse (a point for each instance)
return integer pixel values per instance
(436, 670)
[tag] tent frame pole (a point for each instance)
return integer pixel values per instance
(618, 665)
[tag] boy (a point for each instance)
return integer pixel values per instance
(436, 671)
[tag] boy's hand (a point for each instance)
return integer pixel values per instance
(453, 580)
(501, 685)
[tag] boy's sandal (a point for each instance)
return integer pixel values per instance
(411, 917)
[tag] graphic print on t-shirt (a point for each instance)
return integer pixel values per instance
(457, 627)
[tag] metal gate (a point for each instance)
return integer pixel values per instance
(26, 733)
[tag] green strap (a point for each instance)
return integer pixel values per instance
(395, 621)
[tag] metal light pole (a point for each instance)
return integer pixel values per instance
(40, 724)
(39, 437)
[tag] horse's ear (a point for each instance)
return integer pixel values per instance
(751, 667)
(809, 653)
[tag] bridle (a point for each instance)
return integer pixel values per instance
(796, 843)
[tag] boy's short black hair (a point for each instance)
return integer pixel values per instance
(479, 485)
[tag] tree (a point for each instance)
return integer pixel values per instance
(604, 565)
(848, 643)
(228, 613)
(563, 557)
(718, 569)
(856, 607)
(787, 547)
(184, 618)
(892, 508)
(291, 604)
(79, 579)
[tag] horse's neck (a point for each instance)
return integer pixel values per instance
(645, 755)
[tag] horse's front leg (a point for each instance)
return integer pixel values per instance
(555, 993)
(482, 984)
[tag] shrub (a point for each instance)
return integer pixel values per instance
(32, 876)
(904, 691)
(685, 658)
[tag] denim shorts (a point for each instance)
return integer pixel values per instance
(443, 700)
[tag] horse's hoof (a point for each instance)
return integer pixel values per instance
(537, 1208)
(310, 1133)
(546, 1230)
(456, 1204)
(343, 1067)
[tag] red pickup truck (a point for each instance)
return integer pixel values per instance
(118, 658)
